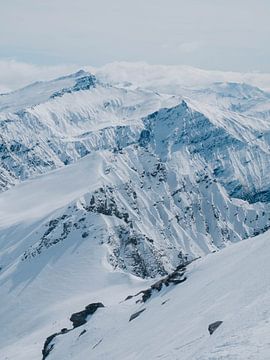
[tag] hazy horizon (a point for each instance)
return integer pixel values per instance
(213, 34)
(40, 40)
(15, 75)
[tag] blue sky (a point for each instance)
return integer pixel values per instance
(211, 34)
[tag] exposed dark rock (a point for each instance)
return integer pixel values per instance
(49, 237)
(77, 319)
(83, 332)
(136, 314)
(80, 317)
(136, 247)
(176, 277)
(104, 202)
(64, 331)
(212, 327)
(146, 294)
(84, 83)
(47, 348)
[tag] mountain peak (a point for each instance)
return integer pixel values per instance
(75, 75)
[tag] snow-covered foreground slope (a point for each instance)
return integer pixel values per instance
(231, 286)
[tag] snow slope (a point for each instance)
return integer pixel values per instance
(231, 286)
(36, 295)
(29, 200)
(58, 254)
(109, 185)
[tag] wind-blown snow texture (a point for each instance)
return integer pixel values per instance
(106, 185)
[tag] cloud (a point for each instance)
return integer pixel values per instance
(163, 78)
(172, 78)
(15, 74)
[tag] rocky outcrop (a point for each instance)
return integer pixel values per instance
(84, 83)
(80, 317)
(48, 345)
(136, 314)
(213, 327)
(176, 277)
(77, 319)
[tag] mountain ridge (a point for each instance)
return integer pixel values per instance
(106, 187)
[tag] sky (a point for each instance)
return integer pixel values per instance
(209, 34)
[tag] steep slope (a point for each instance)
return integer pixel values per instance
(230, 287)
(147, 212)
(67, 235)
(51, 124)
(235, 148)
(38, 295)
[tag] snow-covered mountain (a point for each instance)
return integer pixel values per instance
(106, 186)
(47, 125)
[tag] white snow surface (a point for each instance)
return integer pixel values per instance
(108, 187)
(38, 197)
(38, 298)
(231, 286)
